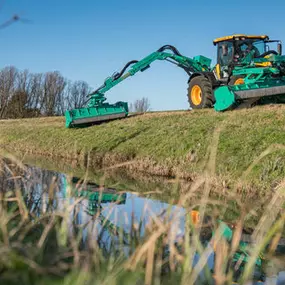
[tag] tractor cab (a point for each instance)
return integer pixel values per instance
(232, 50)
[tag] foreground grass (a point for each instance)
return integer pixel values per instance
(42, 238)
(169, 144)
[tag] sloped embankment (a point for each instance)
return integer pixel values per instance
(164, 143)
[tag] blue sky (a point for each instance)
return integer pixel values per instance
(89, 40)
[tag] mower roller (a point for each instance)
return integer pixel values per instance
(248, 72)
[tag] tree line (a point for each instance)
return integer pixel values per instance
(24, 94)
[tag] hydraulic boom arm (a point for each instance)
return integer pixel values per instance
(98, 111)
(197, 64)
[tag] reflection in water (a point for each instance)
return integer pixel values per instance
(116, 219)
(117, 214)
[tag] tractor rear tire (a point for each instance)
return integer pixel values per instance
(200, 93)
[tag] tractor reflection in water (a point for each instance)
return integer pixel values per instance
(99, 203)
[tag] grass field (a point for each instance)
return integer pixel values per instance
(43, 242)
(165, 143)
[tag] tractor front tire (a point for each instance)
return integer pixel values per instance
(200, 93)
(236, 80)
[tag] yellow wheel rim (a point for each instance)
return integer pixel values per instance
(239, 81)
(195, 216)
(196, 95)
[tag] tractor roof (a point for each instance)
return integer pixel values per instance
(242, 36)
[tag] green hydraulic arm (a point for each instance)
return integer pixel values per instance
(197, 64)
(98, 110)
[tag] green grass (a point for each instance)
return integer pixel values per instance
(45, 245)
(159, 188)
(164, 143)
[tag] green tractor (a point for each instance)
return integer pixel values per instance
(247, 72)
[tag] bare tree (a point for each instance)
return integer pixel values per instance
(17, 105)
(77, 94)
(53, 94)
(140, 105)
(25, 94)
(22, 80)
(35, 91)
(9, 74)
(7, 87)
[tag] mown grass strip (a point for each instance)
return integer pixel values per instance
(176, 142)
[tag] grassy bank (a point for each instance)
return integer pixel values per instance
(46, 240)
(169, 144)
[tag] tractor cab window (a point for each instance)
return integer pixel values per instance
(225, 57)
(246, 46)
(225, 53)
(260, 46)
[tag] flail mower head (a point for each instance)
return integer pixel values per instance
(97, 111)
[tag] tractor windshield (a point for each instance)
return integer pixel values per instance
(228, 50)
(232, 51)
(260, 45)
(243, 47)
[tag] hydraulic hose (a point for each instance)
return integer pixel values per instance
(118, 75)
(174, 49)
(165, 47)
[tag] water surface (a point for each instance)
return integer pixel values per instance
(108, 213)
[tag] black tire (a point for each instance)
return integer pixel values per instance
(206, 94)
(246, 103)
(234, 79)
